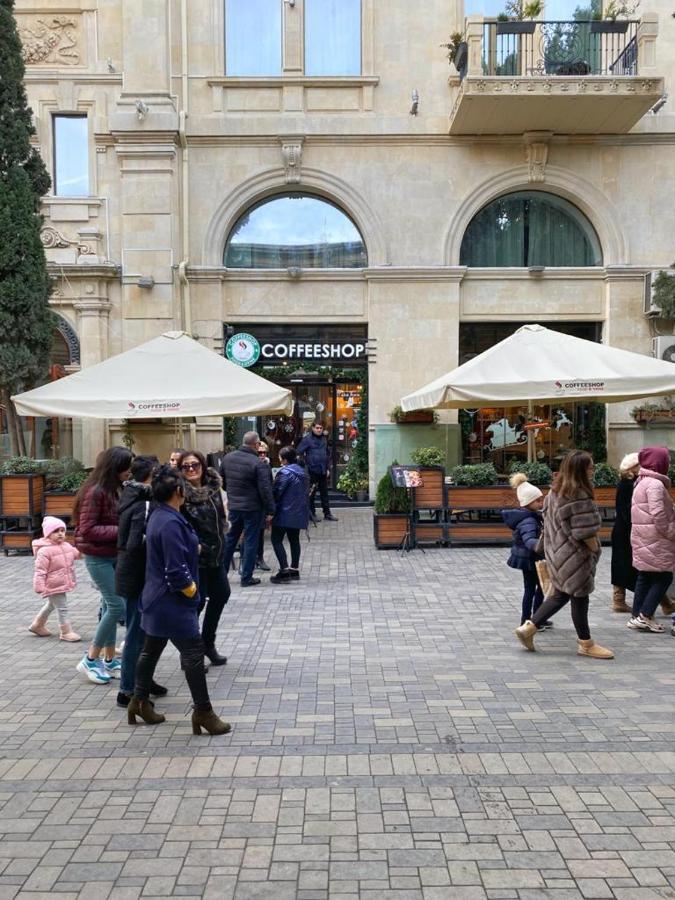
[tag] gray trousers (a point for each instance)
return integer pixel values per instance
(59, 602)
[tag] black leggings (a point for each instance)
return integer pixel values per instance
(213, 584)
(191, 662)
(279, 549)
(579, 612)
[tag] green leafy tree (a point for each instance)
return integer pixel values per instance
(26, 322)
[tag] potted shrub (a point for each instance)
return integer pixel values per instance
(537, 473)
(605, 480)
(392, 509)
(518, 17)
(416, 417)
(354, 484)
(22, 484)
(59, 502)
(610, 23)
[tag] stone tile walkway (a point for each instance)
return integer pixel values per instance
(391, 740)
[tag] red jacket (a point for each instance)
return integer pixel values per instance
(96, 532)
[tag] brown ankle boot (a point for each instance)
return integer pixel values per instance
(209, 721)
(590, 648)
(667, 606)
(619, 604)
(145, 710)
(526, 633)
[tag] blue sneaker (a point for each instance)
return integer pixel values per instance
(93, 669)
(112, 669)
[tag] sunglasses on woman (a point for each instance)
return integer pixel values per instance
(190, 467)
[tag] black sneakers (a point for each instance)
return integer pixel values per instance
(251, 582)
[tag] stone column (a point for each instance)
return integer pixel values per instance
(92, 321)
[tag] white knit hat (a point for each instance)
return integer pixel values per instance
(630, 461)
(527, 493)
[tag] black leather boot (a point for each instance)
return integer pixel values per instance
(214, 657)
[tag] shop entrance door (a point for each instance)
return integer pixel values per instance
(336, 405)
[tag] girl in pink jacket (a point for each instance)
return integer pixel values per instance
(54, 577)
(652, 537)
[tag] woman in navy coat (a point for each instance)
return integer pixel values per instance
(291, 501)
(170, 606)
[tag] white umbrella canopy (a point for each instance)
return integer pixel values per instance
(171, 376)
(537, 365)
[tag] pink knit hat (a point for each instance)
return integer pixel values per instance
(51, 524)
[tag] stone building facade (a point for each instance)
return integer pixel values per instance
(168, 146)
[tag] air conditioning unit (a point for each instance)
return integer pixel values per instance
(651, 308)
(664, 348)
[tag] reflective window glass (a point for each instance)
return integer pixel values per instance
(332, 37)
(295, 230)
(253, 37)
(71, 156)
(530, 229)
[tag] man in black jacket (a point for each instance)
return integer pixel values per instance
(313, 448)
(247, 482)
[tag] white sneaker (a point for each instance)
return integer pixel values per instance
(93, 669)
(118, 650)
(112, 669)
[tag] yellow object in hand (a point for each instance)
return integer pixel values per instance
(190, 590)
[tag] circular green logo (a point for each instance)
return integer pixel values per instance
(243, 349)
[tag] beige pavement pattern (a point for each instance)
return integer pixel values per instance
(391, 740)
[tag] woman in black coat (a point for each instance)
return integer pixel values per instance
(205, 510)
(624, 574)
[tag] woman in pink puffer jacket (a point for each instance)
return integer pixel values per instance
(652, 537)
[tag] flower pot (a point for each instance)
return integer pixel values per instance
(21, 496)
(389, 530)
(418, 417)
(432, 493)
(607, 26)
(516, 27)
(58, 503)
(362, 496)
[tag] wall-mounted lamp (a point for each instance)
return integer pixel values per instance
(142, 109)
(147, 282)
(660, 103)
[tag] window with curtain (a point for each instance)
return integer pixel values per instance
(332, 37)
(530, 228)
(253, 37)
(295, 230)
(71, 156)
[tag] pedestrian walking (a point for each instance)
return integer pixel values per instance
(526, 524)
(247, 481)
(175, 455)
(96, 516)
(260, 564)
(624, 573)
(54, 577)
(313, 448)
(205, 508)
(291, 515)
(571, 549)
(170, 606)
(652, 537)
(135, 507)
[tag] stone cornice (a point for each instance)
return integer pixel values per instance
(50, 76)
(294, 80)
(107, 271)
(448, 274)
(580, 273)
(211, 274)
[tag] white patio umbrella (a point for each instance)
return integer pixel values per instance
(169, 377)
(537, 365)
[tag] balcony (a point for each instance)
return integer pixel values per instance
(564, 77)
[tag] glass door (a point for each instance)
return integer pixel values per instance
(346, 431)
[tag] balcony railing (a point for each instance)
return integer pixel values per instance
(575, 48)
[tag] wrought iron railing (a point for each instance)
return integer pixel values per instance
(530, 48)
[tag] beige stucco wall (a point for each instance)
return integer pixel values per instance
(162, 195)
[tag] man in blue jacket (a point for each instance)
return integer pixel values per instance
(314, 448)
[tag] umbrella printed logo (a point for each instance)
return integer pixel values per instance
(558, 387)
(243, 349)
(131, 405)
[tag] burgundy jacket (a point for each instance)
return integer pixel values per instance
(96, 532)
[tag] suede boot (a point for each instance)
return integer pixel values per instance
(619, 604)
(209, 721)
(67, 633)
(145, 710)
(526, 633)
(37, 626)
(590, 648)
(667, 606)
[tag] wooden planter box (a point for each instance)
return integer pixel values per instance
(607, 26)
(526, 27)
(19, 541)
(432, 493)
(661, 417)
(21, 495)
(417, 417)
(389, 530)
(605, 497)
(58, 503)
(496, 496)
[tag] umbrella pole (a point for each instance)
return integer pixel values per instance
(530, 432)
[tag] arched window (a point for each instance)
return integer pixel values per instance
(530, 228)
(295, 231)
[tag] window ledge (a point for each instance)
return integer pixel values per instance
(340, 81)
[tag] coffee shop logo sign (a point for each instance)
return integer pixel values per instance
(579, 387)
(150, 408)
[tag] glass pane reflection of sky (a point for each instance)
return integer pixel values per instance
(253, 37)
(71, 156)
(295, 221)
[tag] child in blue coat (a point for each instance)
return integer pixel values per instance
(526, 524)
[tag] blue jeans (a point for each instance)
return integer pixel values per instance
(133, 644)
(102, 572)
(250, 523)
(650, 590)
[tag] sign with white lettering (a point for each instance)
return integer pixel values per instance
(281, 344)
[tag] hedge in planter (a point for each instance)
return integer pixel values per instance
(479, 475)
(392, 508)
(537, 473)
(22, 484)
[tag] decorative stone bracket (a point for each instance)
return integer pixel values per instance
(536, 154)
(84, 244)
(291, 155)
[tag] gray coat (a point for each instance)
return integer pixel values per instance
(567, 525)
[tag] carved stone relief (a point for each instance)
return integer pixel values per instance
(536, 153)
(51, 40)
(291, 154)
(53, 240)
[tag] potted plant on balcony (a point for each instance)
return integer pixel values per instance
(662, 413)
(392, 508)
(518, 17)
(614, 19)
(416, 417)
(457, 51)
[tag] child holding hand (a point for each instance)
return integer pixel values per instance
(54, 577)
(526, 524)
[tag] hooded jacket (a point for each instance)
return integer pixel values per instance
(291, 496)
(526, 525)
(54, 567)
(315, 451)
(568, 524)
(204, 509)
(653, 514)
(134, 509)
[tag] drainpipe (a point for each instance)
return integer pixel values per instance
(185, 304)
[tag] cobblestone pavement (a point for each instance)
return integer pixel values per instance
(390, 740)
